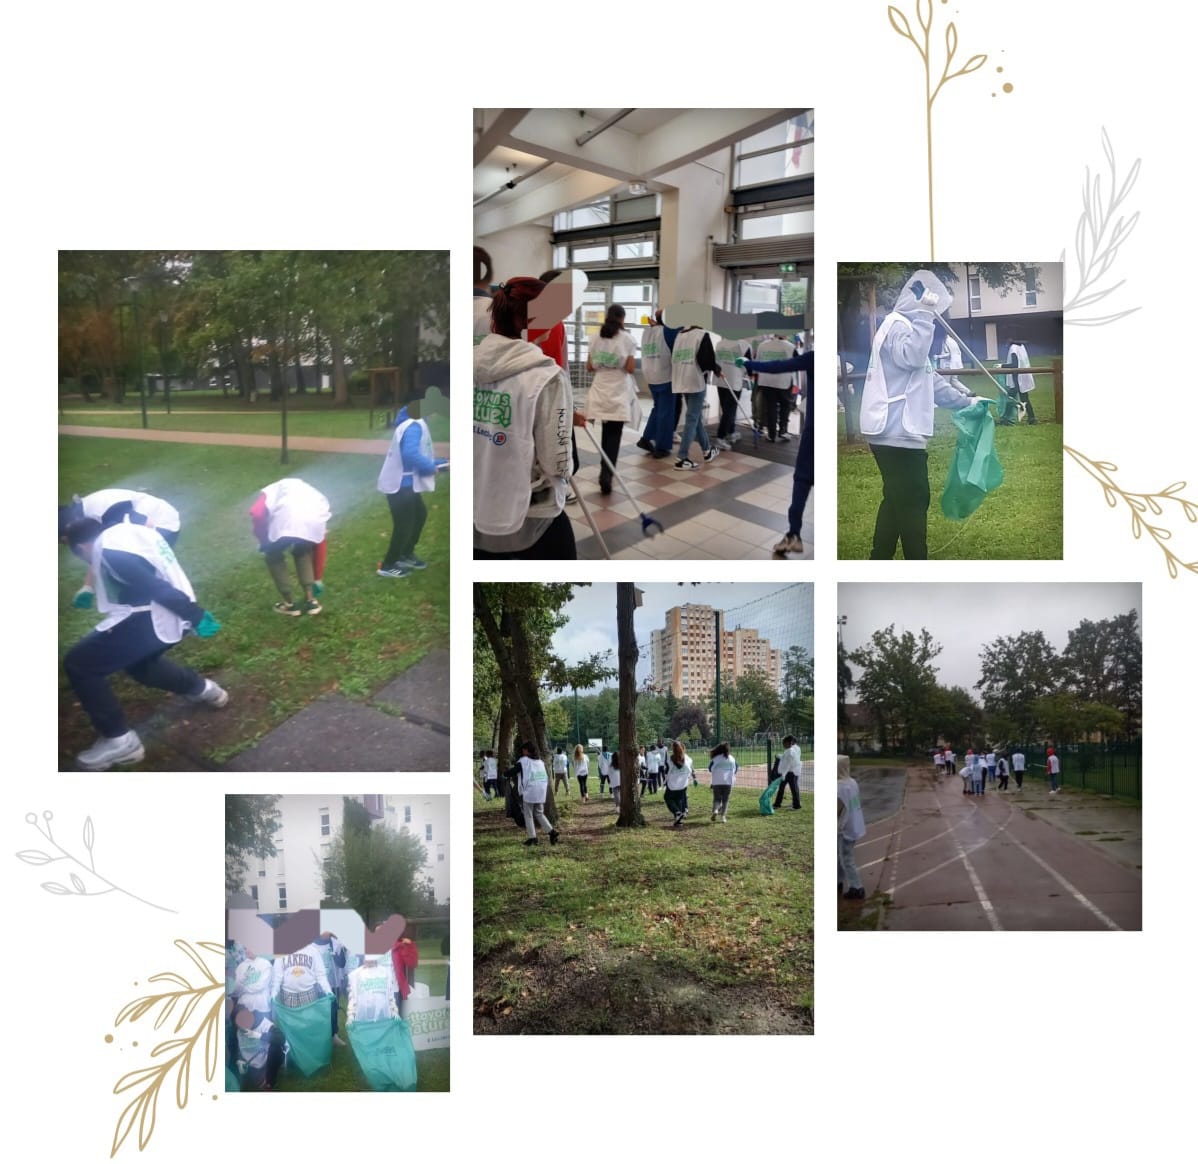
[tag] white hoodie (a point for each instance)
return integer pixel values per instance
(523, 413)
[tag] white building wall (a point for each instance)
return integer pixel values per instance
(426, 818)
(519, 250)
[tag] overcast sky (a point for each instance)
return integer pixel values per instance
(963, 616)
(784, 617)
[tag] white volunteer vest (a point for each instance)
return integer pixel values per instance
(561, 763)
(678, 778)
(505, 476)
(613, 391)
(775, 349)
(161, 514)
(371, 991)
(655, 355)
(145, 543)
(686, 376)
(534, 781)
(876, 398)
(1024, 383)
(723, 770)
(727, 352)
(392, 472)
(296, 511)
(482, 318)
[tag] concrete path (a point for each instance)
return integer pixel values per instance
(302, 444)
(1016, 860)
(404, 728)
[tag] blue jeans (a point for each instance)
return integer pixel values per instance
(660, 427)
(692, 426)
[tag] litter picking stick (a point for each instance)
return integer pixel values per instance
(740, 408)
(965, 348)
(586, 512)
(650, 526)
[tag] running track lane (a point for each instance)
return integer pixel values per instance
(305, 444)
(955, 862)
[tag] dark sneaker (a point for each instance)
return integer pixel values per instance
(711, 454)
(414, 563)
(553, 835)
(312, 607)
(531, 841)
(645, 444)
(685, 465)
(791, 544)
(291, 609)
(396, 571)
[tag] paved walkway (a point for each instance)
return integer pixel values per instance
(731, 508)
(303, 444)
(1012, 860)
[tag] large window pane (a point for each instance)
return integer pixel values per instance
(632, 293)
(639, 249)
(791, 162)
(776, 225)
(591, 253)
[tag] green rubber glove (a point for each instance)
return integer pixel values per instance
(207, 626)
(317, 589)
(740, 363)
(83, 599)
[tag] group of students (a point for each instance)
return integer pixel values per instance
(128, 539)
(525, 450)
(265, 996)
(997, 768)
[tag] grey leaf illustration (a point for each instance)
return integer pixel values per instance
(54, 887)
(34, 857)
(77, 882)
(89, 834)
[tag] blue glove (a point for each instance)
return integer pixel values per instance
(207, 626)
(83, 599)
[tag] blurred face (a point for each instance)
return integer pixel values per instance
(83, 551)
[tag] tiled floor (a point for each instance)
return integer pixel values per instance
(732, 507)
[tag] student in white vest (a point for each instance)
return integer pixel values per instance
(409, 470)
(850, 828)
(371, 991)
(653, 765)
(1018, 767)
(612, 359)
(898, 401)
(1023, 383)
(603, 764)
(679, 773)
(723, 776)
(108, 506)
(482, 295)
(1053, 764)
(289, 515)
(534, 791)
(693, 357)
(613, 774)
(657, 346)
(561, 769)
(150, 605)
(775, 385)
(727, 352)
(523, 415)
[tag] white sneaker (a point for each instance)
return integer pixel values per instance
(105, 753)
(571, 498)
(734, 437)
(685, 465)
(711, 454)
(213, 694)
(720, 443)
(713, 815)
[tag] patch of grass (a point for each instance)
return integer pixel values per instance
(370, 630)
(654, 930)
(1023, 518)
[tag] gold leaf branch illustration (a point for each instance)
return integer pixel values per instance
(1142, 504)
(78, 886)
(174, 1055)
(924, 15)
(1098, 237)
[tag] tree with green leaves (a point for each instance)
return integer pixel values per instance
(1016, 671)
(373, 870)
(690, 716)
(898, 684)
(250, 826)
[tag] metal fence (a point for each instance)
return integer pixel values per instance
(1113, 769)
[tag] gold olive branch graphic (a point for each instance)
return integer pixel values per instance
(78, 887)
(176, 1054)
(1141, 504)
(924, 18)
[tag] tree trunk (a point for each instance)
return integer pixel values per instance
(518, 686)
(507, 730)
(340, 383)
(630, 809)
(277, 387)
(316, 358)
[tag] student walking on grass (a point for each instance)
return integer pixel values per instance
(290, 516)
(534, 791)
(613, 775)
(603, 764)
(409, 470)
(150, 606)
(561, 770)
(789, 766)
(582, 769)
(723, 775)
(679, 773)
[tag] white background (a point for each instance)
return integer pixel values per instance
(347, 125)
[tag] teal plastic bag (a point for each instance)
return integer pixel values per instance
(385, 1053)
(309, 1030)
(765, 800)
(974, 470)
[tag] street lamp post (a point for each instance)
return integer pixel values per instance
(841, 619)
(134, 286)
(166, 380)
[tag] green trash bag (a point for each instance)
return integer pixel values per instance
(385, 1053)
(309, 1030)
(231, 1081)
(974, 470)
(765, 800)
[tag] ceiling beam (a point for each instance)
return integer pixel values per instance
(496, 132)
(695, 133)
(553, 133)
(571, 189)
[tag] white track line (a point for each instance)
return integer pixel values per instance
(879, 860)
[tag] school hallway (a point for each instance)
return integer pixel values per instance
(732, 507)
(936, 859)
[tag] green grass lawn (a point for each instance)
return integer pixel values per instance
(371, 628)
(1023, 518)
(707, 929)
(343, 1073)
(203, 412)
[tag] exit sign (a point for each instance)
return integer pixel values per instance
(787, 268)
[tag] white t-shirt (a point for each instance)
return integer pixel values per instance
(652, 761)
(723, 770)
(298, 973)
(603, 763)
(1017, 762)
(791, 760)
(677, 778)
(251, 983)
(852, 823)
(990, 760)
(372, 991)
(1054, 765)
(613, 776)
(582, 766)
(938, 760)
(561, 763)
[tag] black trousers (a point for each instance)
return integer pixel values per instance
(777, 410)
(609, 440)
(556, 542)
(791, 781)
(130, 646)
(906, 495)
(727, 413)
(408, 514)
